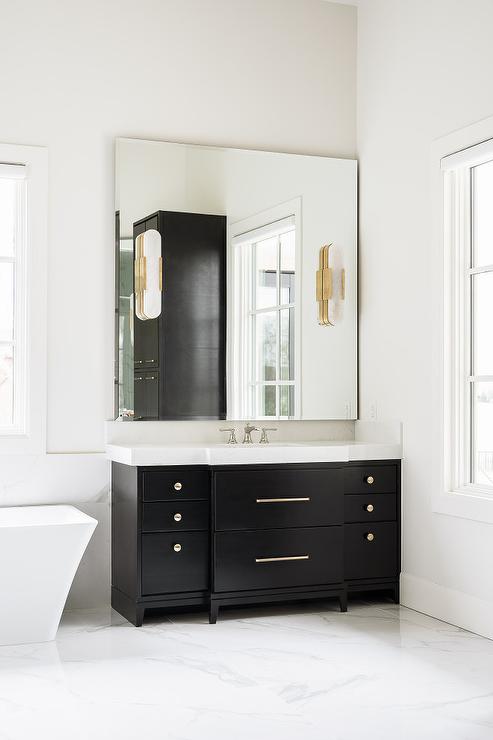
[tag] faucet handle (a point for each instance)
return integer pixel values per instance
(247, 437)
(264, 438)
(232, 435)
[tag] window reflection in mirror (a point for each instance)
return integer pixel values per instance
(125, 327)
(265, 303)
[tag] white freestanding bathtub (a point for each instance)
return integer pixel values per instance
(40, 550)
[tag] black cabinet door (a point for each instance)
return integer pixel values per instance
(146, 346)
(264, 499)
(370, 550)
(278, 558)
(146, 392)
(165, 570)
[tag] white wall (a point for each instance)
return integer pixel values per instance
(424, 69)
(267, 74)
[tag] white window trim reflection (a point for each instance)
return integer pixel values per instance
(17, 343)
(453, 157)
(254, 386)
(242, 383)
(27, 433)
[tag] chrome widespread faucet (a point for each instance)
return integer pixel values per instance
(264, 439)
(247, 439)
(232, 435)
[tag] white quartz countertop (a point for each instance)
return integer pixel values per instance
(251, 454)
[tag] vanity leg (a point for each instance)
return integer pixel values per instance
(213, 612)
(343, 601)
(397, 593)
(127, 607)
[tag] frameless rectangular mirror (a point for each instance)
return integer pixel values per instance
(236, 284)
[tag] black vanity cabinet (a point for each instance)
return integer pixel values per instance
(180, 357)
(160, 549)
(226, 535)
(372, 513)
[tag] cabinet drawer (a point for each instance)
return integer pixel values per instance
(175, 485)
(370, 507)
(175, 516)
(278, 558)
(373, 478)
(267, 499)
(167, 571)
(370, 559)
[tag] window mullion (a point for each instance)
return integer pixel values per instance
(479, 270)
(269, 309)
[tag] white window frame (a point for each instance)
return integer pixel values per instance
(28, 434)
(240, 309)
(452, 158)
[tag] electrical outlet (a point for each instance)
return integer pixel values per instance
(373, 411)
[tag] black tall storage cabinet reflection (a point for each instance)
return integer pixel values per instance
(180, 357)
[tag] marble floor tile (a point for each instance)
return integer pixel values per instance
(280, 672)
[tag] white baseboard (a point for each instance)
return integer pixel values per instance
(447, 604)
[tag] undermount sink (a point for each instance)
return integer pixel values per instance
(285, 452)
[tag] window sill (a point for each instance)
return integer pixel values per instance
(20, 443)
(12, 433)
(471, 502)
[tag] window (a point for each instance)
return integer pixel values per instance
(265, 305)
(480, 278)
(23, 242)
(12, 297)
(468, 208)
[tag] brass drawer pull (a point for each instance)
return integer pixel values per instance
(277, 560)
(370, 480)
(370, 536)
(281, 500)
(177, 517)
(369, 508)
(178, 486)
(177, 547)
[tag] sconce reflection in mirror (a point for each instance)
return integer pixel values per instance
(327, 297)
(148, 272)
